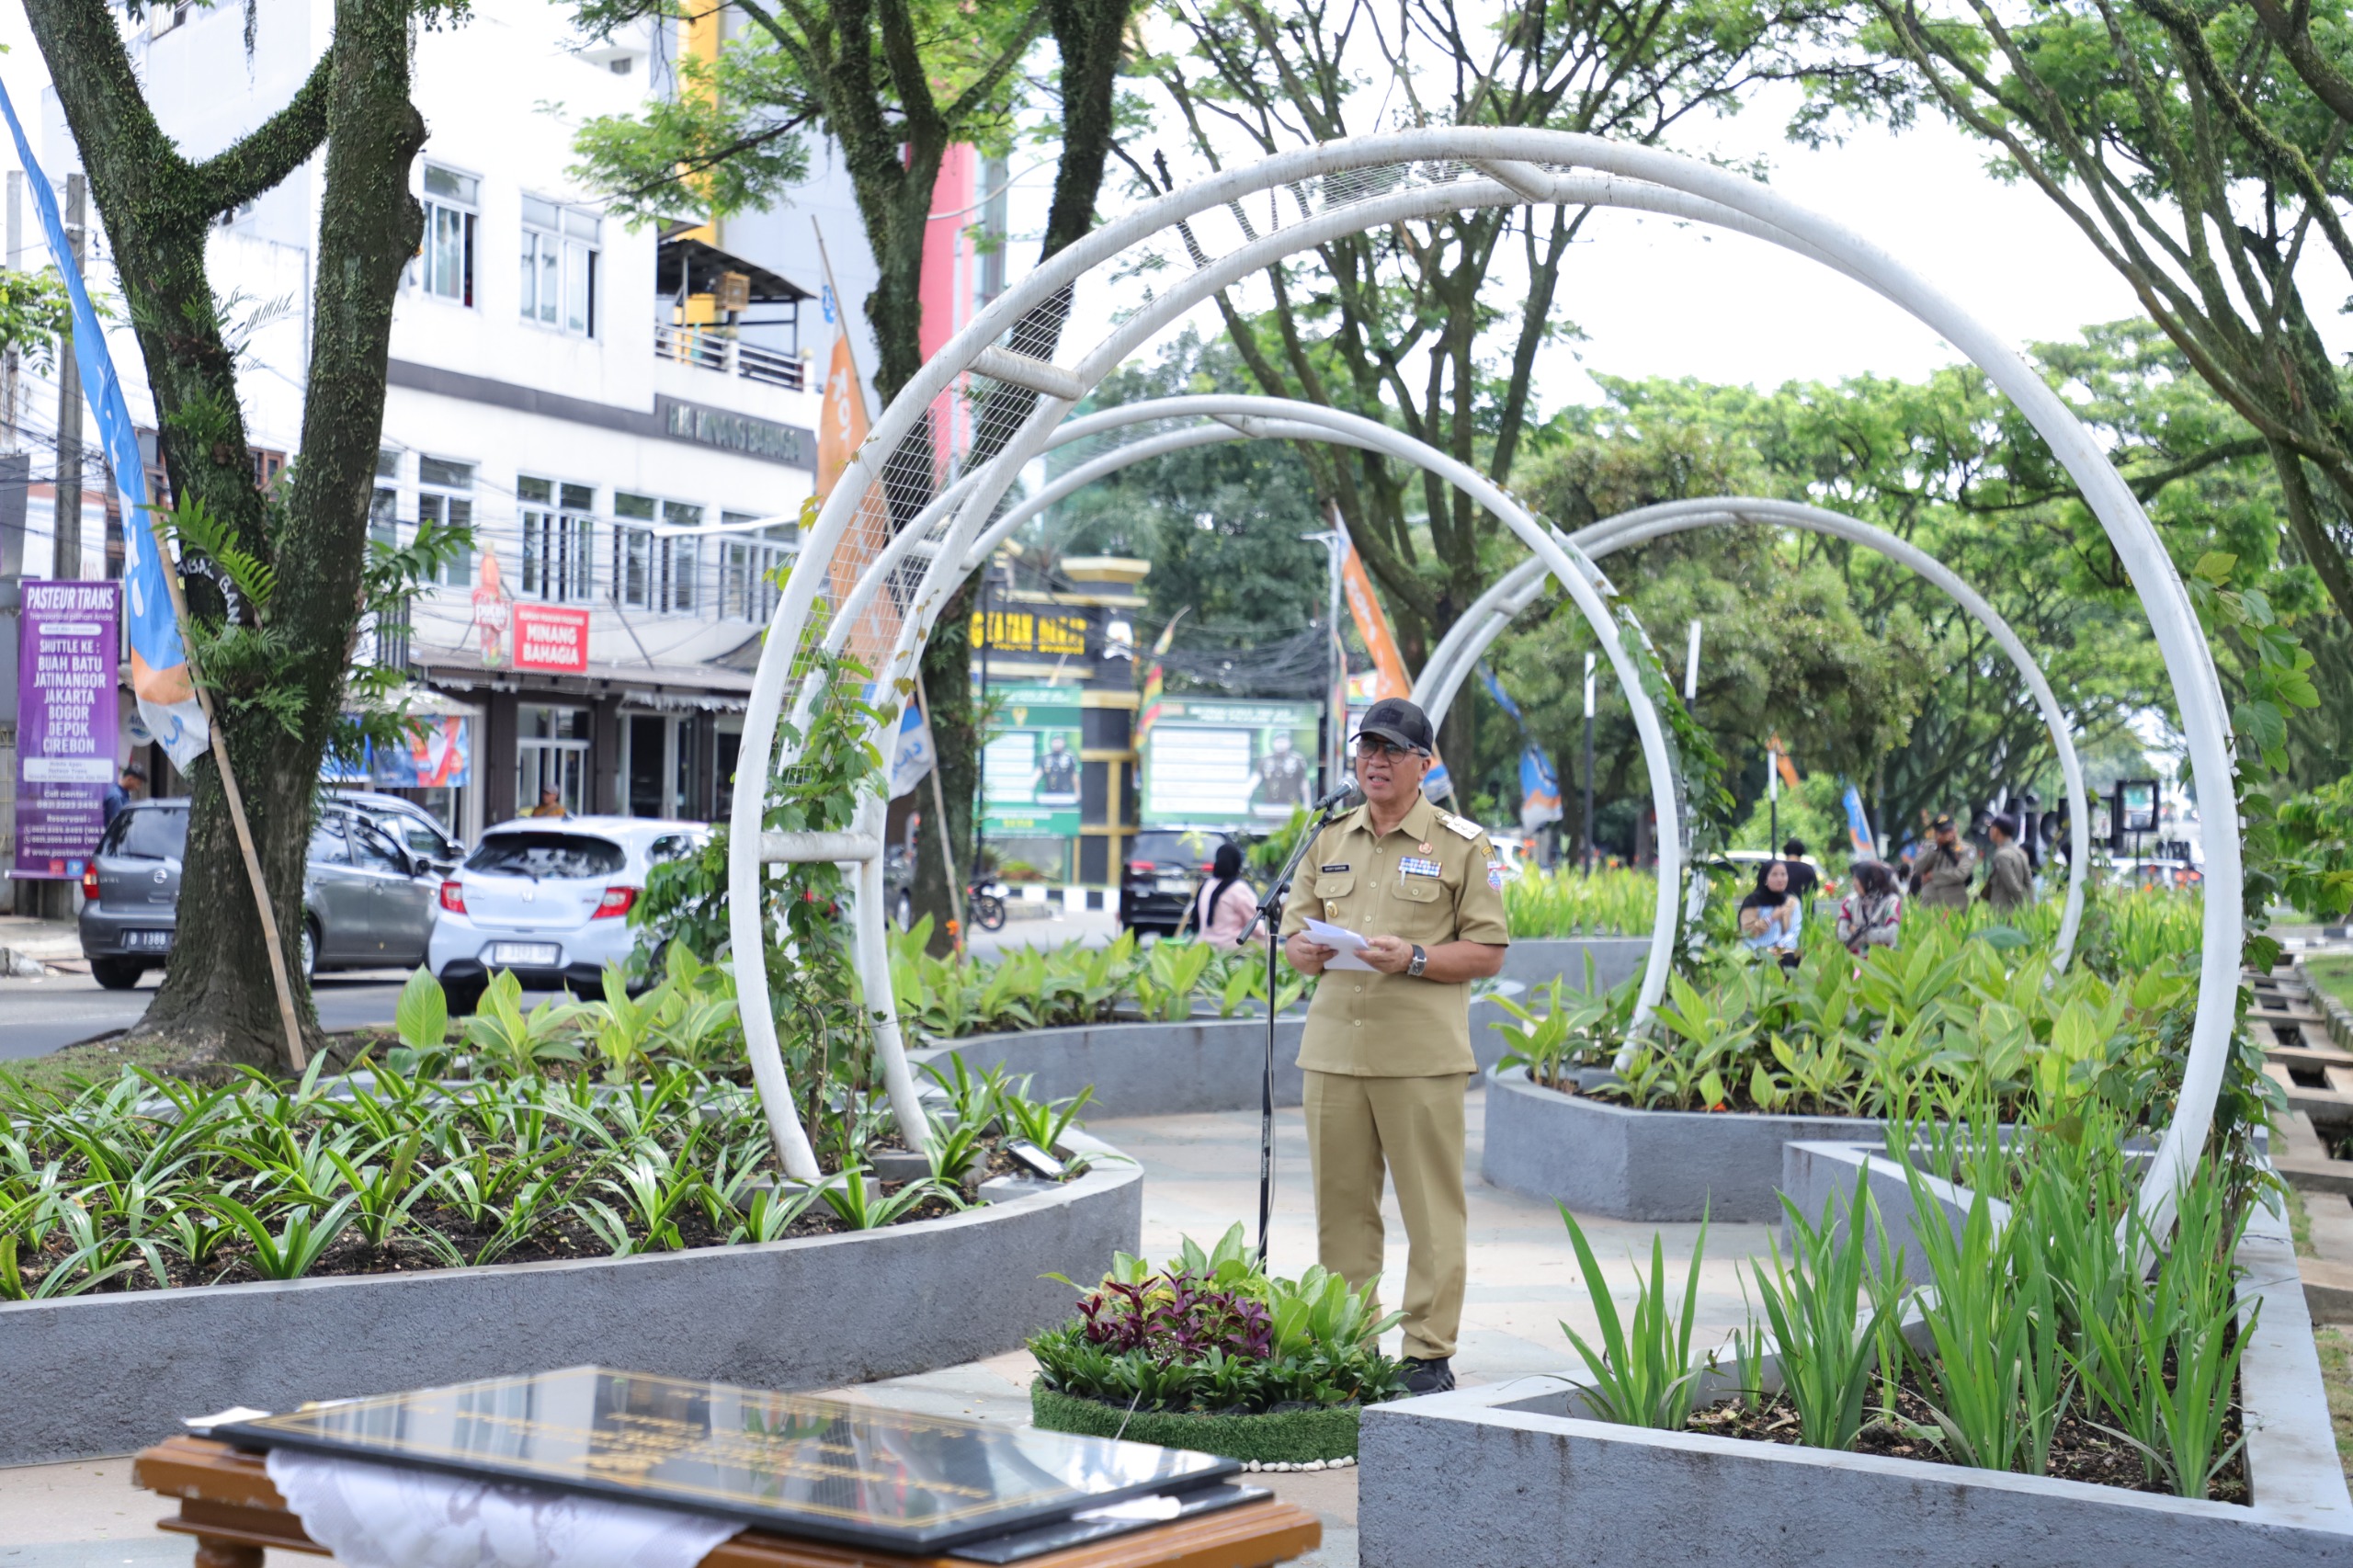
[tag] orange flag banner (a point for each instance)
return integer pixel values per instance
(1372, 621)
(841, 430)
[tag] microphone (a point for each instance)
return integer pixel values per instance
(1340, 796)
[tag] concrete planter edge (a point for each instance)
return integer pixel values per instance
(1613, 1160)
(108, 1374)
(1205, 1065)
(1498, 1477)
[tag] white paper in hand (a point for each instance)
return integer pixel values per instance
(1349, 944)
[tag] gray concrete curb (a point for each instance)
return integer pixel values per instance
(1207, 1064)
(1512, 1475)
(109, 1374)
(1600, 1157)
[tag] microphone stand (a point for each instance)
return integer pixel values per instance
(1270, 911)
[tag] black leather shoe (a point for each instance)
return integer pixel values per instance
(1436, 1376)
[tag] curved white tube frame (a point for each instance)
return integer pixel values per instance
(1468, 639)
(1436, 170)
(1257, 418)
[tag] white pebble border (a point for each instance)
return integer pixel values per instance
(1310, 1464)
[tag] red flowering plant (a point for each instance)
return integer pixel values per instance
(1212, 1331)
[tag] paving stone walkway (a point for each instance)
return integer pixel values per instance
(1200, 1176)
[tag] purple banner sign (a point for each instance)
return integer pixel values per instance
(68, 669)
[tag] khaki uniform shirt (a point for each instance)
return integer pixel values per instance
(2009, 879)
(1941, 881)
(1434, 879)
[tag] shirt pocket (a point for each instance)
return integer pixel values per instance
(1422, 909)
(1333, 888)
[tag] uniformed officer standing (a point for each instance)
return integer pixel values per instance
(1385, 1053)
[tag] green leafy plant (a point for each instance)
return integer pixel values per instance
(516, 1041)
(1826, 1324)
(1642, 1373)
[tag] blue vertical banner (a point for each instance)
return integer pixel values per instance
(1859, 826)
(1540, 784)
(160, 678)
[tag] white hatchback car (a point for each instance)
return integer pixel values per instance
(548, 898)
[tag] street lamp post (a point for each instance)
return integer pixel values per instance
(1589, 764)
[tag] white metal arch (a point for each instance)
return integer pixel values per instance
(1345, 187)
(1468, 639)
(1305, 422)
(1280, 418)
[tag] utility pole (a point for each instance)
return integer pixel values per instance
(1588, 765)
(65, 527)
(16, 248)
(1336, 743)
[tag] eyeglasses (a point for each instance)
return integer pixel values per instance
(1372, 745)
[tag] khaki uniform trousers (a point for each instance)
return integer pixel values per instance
(1355, 1126)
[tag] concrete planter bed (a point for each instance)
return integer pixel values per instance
(1282, 1436)
(107, 1374)
(1502, 1477)
(1600, 1157)
(1214, 1065)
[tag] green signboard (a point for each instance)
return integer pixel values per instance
(1217, 762)
(1030, 762)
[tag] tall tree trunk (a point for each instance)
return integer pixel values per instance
(1091, 36)
(216, 998)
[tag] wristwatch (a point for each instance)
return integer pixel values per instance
(1420, 959)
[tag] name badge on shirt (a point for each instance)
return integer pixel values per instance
(1329, 870)
(1414, 866)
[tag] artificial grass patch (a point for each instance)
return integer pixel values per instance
(1280, 1437)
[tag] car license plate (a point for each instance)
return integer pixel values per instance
(1175, 884)
(147, 941)
(529, 953)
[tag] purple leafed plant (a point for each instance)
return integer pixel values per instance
(1177, 1319)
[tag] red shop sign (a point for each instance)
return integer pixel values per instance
(551, 639)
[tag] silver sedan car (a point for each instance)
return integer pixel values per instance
(368, 902)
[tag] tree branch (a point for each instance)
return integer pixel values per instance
(262, 157)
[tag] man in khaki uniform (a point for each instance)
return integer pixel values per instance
(1386, 1049)
(2009, 875)
(1941, 876)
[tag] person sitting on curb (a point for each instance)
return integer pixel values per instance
(1771, 915)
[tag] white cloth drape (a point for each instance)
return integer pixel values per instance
(380, 1516)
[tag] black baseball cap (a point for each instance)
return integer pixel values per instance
(1395, 719)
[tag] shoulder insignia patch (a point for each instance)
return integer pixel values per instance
(1463, 826)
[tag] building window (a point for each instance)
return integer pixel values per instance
(385, 503)
(446, 265)
(747, 569)
(633, 551)
(560, 266)
(558, 539)
(678, 560)
(650, 572)
(445, 495)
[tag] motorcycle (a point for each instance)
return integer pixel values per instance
(984, 903)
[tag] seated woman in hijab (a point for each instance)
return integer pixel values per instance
(1873, 913)
(1222, 909)
(1769, 915)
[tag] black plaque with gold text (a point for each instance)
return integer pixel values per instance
(795, 1464)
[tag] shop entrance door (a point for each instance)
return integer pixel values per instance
(551, 753)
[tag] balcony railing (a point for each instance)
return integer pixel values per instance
(710, 351)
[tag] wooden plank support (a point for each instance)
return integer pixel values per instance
(228, 1503)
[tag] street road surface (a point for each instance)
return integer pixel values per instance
(38, 1017)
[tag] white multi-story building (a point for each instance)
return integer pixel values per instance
(574, 390)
